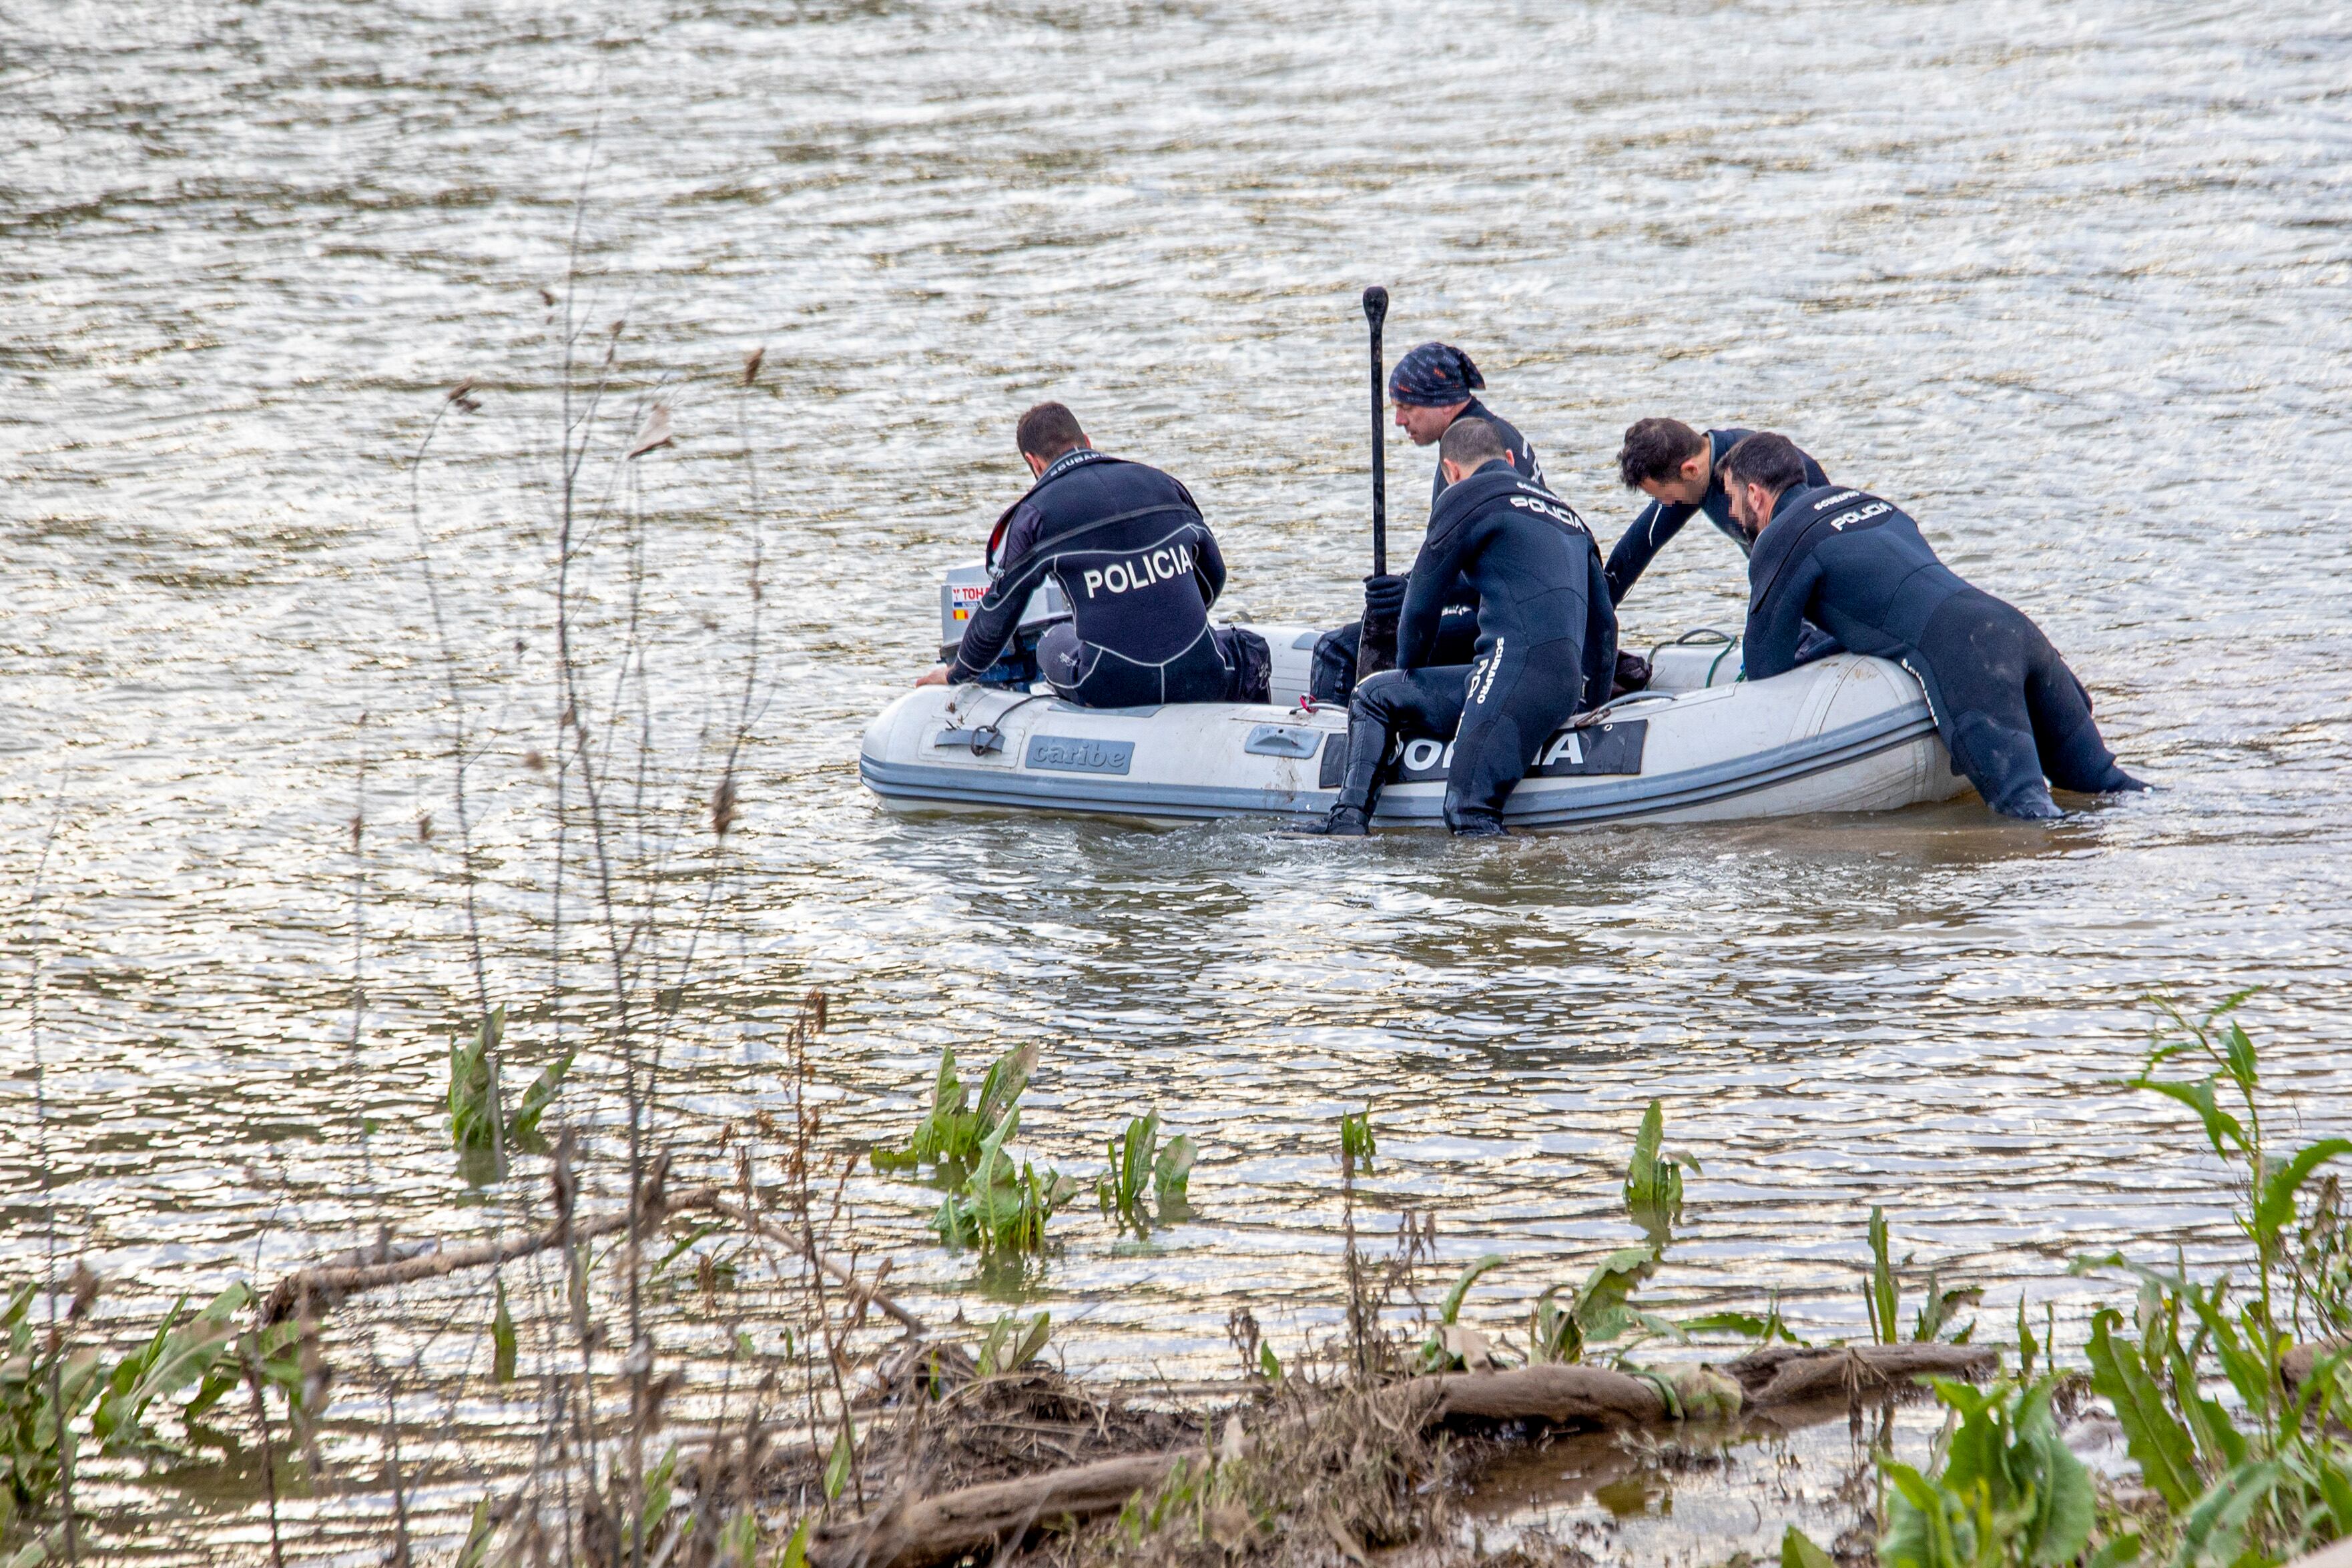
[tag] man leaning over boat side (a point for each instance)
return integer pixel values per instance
(1546, 643)
(1676, 467)
(1432, 387)
(1140, 569)
(2009, 709)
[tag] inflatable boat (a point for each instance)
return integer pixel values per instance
(1843, 733)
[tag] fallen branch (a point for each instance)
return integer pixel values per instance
(973, 1519)
(1792, 1375)
(940, 1528)
(316, 1288)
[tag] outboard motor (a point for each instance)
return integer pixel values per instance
(959, 595)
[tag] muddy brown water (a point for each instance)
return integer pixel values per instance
(2068, 282)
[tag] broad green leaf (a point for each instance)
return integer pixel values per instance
(1881, 1295)
(2275, 1211)
(836, 1467)
(503, 1338)
(1451, 1309)
(2222, 1129)
(1172, 1174)
(1798, 1551)
(795, 1552)
(1032, 1342)
(2161, 1446)
(477, 1536)
(1269, 1365)
(540, 1096)
(2123, 1549)
(2215, 1531)
(657, 1495)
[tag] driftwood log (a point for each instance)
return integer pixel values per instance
(921, 1533)
(316, 1288)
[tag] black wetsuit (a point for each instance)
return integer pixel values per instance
(1523, 456)
(1140, 570)
(1662, 521)
(2007, 705)
(1336, 659)
(1546, 646)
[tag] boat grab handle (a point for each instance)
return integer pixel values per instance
(1608, 710)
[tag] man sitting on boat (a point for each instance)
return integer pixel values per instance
(1433, 387)
(1547, 645)
(1679, 470)
(1140, 569)
(2010, 710)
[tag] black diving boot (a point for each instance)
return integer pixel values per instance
(1359, 785)
(1341, 823)
(1480, 828)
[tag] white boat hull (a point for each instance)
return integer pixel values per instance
(1846, 734)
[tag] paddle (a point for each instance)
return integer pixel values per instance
(1376, 311)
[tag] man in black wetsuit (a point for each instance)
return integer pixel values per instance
(1547, 643)
(1138, 567)
(1432, 387)
(1676, 467)
(2009, 709)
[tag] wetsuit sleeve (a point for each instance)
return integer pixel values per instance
(1776, 618)
(1425, 594)
(991, 625)
(1208, 565)
(1658, 522)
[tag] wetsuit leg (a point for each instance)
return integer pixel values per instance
(1062, 660)
(1979, 653)
(2066, 735)
(1394, 704)
(1514, 699)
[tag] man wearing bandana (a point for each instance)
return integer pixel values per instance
(1432, 387)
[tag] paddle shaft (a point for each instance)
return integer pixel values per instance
(1376, 311)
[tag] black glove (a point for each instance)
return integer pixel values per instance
(1376, 648)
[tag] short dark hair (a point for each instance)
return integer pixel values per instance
(1469, 442)
(1047, 431)
(1656, 449)
(1768, 459)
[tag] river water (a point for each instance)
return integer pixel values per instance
(2068, 282)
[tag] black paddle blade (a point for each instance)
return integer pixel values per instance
(1376, 306)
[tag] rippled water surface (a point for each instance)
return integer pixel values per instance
(2071, 282)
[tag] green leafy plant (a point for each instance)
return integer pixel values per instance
(2005, 1491)
(1566, 1324)
(952, 1133)
(2271, 1476)
(1450, 1346)
(1357, 1145)
(1765, 1330)
(1137, 1158)
(474, 1097)
(998, 1208)
(47, 1385)
(1935, 1320)
(1653, 1180)
(1010, 1343)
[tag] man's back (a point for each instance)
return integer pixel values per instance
(1534, 566)
(1140, 569)
(1854, 564)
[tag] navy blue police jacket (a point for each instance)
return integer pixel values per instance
(1661, 521)
(1125, 542)
(1533, 566)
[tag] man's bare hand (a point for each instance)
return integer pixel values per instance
(937, 675)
